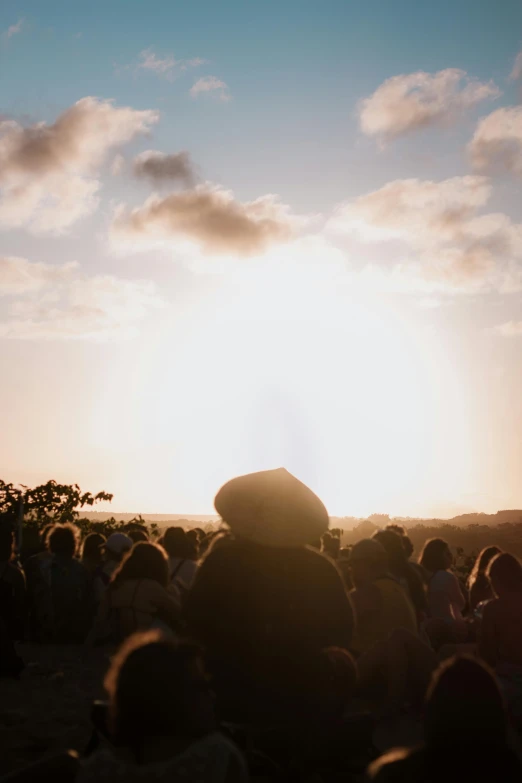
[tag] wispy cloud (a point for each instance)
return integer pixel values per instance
(48, 173)
(15, 28)
(167, 67)
(451, 245)
(209, 218)
(516, 73)
(414, 101)
(496, 146)
(59, 302)
(211, 85)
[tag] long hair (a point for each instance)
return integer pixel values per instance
(92, 547)
(464, 705)
(484, 558)
(144, 561)
(505, 572)
(432, 555)
(149, 686)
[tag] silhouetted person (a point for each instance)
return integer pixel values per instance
(465, 731)
(263, 604)
(381, 604)
(445, 599)
(180, 550)
(478, 584)
(161, 718)
(62, 595)
(13, 603)
(137, 598)
(92, 552)
(115, 549)
(402, 570)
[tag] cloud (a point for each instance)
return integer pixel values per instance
(509, 329)
(208, 218)
(167, 67)
(55, 301)
(213, 86)
(19, 276)
(419, 100)
(450, 245)
(158, 167)
(48, 173)
(15, 28)
(516, 73)
(496, 146)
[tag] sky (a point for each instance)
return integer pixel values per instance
(237, 236)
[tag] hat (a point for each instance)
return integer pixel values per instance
(118, 543)
(272, 507)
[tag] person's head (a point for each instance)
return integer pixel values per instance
(63, 540)
(464, 705)
(505, 574)
(176, 543)
(117, 546)
(6, 543)
(436, 555)
(144, 561)
(368, 561)
(137, 535)
(158, 687)
(395, 528)
(92, 547)
(484, 558)
(392, 543)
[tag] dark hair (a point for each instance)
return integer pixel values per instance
(144, 561)
(464, 705)
(137, 535)
(484, 558)
(176, 543)
(92, 547)
(147, 686)
(6, 542)
(401, 567)
(395, 528)
(505, 571)
(63, 540)
(432, 555)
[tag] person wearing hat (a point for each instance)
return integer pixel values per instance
(116, 546)
(264, 604)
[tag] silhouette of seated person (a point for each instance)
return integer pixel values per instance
(446, 601)
(500, 632)
(263, 604)
(479, 586)
(138, 597)
(161, 722)
(402, 570)
(381, 603)
(465, 732)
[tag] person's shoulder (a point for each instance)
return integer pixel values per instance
(441, 579)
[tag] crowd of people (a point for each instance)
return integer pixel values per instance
(267, 650)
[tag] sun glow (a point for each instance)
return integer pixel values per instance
(306, 370)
